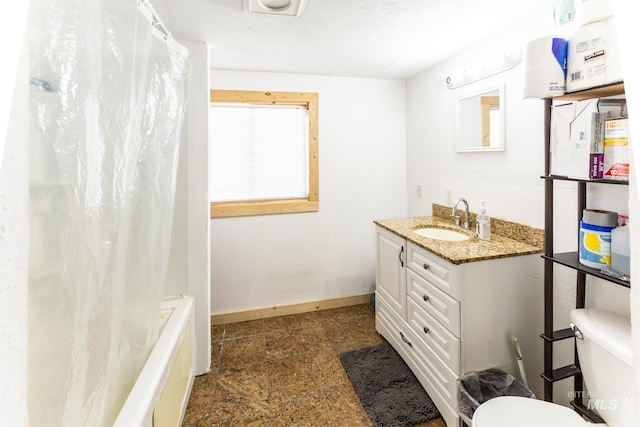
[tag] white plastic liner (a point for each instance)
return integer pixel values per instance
(107, 99)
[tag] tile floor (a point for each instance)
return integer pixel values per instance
(285, 371)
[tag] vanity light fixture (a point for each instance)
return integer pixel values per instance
(479, 70)
(275, 7)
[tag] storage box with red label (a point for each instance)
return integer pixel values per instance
(616, 149)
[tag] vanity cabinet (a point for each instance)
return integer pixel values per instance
(446, 320)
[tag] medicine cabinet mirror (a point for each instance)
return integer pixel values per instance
(480, 121)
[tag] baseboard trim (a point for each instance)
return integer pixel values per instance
(306, 307)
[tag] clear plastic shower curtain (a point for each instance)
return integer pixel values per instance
(107, 104)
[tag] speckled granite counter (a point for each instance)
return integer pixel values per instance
(507, 238)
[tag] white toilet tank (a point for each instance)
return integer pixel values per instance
(604, 353)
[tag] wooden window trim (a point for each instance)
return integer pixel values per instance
(311, 204)
(488, 103)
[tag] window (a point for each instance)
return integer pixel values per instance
(263, 154)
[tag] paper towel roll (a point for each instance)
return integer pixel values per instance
(545, 67)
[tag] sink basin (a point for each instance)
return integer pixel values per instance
(441, 234)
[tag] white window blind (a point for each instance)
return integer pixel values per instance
(258, 152)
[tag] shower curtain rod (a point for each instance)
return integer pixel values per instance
(150, 13)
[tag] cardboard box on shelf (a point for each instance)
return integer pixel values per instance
(593, 58)
(577, 136)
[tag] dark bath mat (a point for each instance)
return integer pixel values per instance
(388, 390)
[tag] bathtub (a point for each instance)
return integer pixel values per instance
(160, 395)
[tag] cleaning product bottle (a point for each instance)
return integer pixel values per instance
(620, 250)
(483, 223)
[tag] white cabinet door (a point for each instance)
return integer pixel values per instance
(391, 282)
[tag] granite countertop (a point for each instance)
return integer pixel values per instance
(507, 238)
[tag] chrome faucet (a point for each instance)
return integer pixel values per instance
(457, 217)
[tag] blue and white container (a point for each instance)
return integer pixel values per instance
(595, 237)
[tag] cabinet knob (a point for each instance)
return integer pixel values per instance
(426, 330)
(425, 298)
(425, 266)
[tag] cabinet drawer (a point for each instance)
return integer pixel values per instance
(436, 379)
(438, 304)
(393, 328)
(441, 273)
(435, 336)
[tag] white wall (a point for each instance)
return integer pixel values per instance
(276, 260)
(509, 181)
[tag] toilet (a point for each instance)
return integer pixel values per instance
(603, 340)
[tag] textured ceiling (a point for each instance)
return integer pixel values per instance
(359, 38)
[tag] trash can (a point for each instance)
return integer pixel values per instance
(475, 388)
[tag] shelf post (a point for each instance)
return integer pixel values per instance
(548, 251)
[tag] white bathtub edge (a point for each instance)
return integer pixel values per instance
(139, 406)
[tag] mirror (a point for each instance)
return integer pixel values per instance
(480, 121)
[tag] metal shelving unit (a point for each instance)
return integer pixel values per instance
(570, 260)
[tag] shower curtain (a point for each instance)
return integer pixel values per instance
(107, 98)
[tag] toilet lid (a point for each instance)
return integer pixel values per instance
(509, 411)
